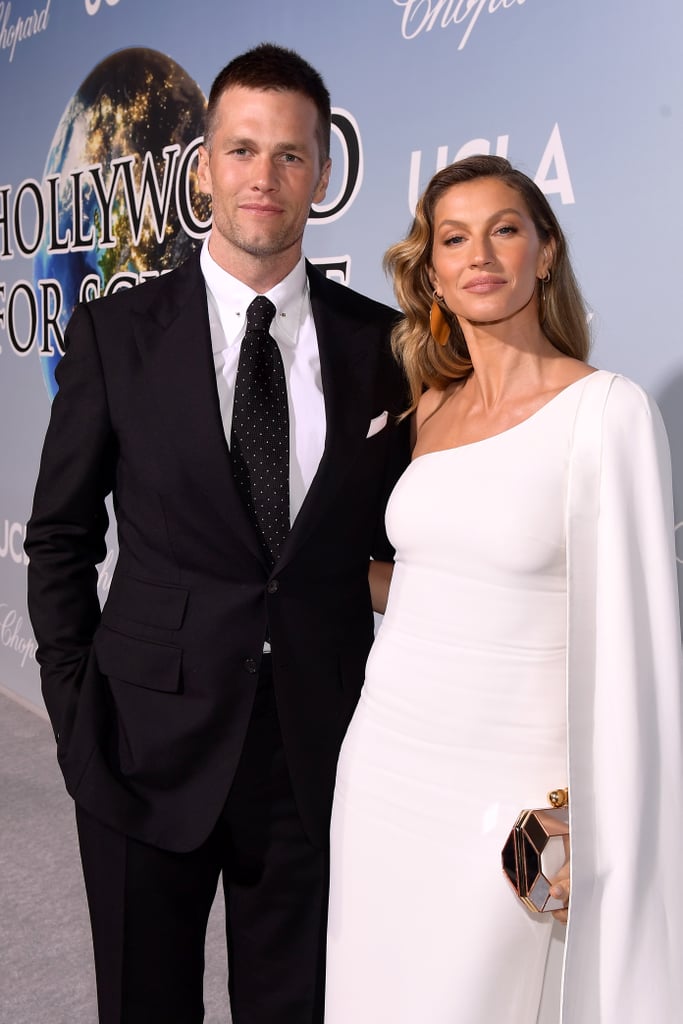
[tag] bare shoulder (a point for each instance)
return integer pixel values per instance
(431, 402)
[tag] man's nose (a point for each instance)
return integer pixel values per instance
(265, 175)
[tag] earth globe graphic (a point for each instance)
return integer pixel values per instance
(136, 101)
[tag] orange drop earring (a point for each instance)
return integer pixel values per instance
(438, 325)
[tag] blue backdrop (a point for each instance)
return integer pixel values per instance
(100, 110)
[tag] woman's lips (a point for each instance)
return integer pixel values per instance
(481, 285)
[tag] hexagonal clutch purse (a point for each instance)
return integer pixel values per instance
(536, 849)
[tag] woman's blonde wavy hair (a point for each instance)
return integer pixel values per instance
(562, 312)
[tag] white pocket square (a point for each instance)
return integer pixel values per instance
(377, 424)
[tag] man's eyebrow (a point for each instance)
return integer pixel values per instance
(245, 142)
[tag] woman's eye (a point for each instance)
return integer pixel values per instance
(454, 240)
(507, 229)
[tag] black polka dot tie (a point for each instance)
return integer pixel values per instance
(259, 441)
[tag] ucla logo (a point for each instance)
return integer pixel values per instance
(12, 536)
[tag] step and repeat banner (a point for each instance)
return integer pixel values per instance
(101, 105)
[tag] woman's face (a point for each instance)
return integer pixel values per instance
(487, 256)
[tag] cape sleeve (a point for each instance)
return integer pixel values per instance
(625, 932)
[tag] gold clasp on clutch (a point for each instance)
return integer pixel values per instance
(558, 797)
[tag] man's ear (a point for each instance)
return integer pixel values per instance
(323, 182)
(204, 171)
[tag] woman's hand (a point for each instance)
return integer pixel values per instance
(560, 891)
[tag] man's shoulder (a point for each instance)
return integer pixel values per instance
(348, 301)
(172, 284)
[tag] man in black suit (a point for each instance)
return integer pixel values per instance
(199, 715)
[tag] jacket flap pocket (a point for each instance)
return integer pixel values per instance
(140, 662)
(153, 604)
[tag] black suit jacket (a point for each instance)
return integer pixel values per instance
(150, 699)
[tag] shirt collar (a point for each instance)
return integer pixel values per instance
(232, 297)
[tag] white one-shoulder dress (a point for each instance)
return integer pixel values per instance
(461, 724)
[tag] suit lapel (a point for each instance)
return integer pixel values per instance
(344, 353)
(174, 341)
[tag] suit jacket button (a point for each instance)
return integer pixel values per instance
(273, 586)
(251, 666)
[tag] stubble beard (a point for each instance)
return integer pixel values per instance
(264, 247)
(265, 250)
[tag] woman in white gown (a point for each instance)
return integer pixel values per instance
(531, 641)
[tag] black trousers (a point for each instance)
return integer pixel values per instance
(149, 907)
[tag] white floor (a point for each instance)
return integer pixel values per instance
(46, 969)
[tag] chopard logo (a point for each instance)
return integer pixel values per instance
(11, 626)
(22, 28)
(424, 15)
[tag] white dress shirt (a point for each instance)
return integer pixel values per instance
(294, 332)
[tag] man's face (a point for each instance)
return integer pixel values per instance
(263, 171)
